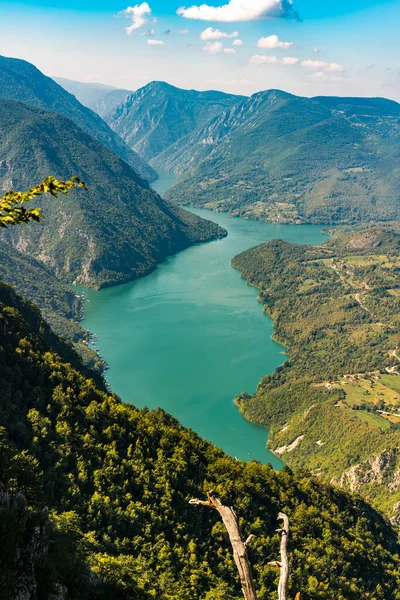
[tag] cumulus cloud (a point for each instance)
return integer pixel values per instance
(139, 15)
(263, 59)
(240, 10)
(273, 41)
(317, 50)
(213, 47)
(290, 60)
(322, 65)
(229, 51)
(237, 43)
(216, 34)
(155, 42)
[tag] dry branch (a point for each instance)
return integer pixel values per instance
(284, 562)
(231, 523)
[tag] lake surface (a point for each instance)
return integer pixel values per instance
(192, 335)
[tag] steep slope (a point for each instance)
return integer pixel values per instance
(60, 306)
(20, 80)
(285, 158)
(157, 115)
(117, 482)
(333, 407)
(102, 99)
(116, 231)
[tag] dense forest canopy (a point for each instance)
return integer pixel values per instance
(117, 482)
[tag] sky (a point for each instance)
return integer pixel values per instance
(306, 47)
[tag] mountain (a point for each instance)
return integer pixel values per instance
(285, 158)
(59, 304)
(158, 114)
(333, 407)
(102, 99)
(94, 497)
(115, 231)
(20, 80)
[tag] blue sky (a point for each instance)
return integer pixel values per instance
(343, 47)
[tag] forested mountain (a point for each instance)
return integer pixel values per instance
(284, 158)
(94, 497)
(115, 231)
(102, 99)
(157, 115)
(333, 407)
(20, 80)
(59, 304)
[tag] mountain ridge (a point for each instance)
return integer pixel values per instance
(285, 158)
(115, 231)
(22, 81)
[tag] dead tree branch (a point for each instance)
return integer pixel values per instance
(284, 563)
(231, 523)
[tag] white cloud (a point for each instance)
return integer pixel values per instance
(149, 33)
(240, 10)
(139, 15)
(183, 31)
(318, 50)
(273, 41)
(289, 60)
(229, 51)
(324, 66)
(213, 47)
(155, 42)
(237, 43)
(216, 34)
(314, 64)
(262, 59)
(334, 67)
(319, 76)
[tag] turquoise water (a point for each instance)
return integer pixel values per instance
(192, 335)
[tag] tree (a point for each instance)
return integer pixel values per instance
(13, 211)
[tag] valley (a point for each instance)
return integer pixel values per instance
(190, 336)
(199, 290)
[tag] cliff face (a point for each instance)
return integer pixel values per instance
(379, 473)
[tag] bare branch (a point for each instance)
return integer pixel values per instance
(231, 523)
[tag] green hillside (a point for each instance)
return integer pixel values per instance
(94, 497)
(333, 406)
(284, 158)
(115, 231)
(157, 115)
(20, 80)
(60, 306)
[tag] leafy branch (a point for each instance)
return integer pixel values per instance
(13, 211)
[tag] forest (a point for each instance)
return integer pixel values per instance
(336, 309)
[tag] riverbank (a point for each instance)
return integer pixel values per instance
(189, 337)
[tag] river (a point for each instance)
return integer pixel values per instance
(192, 335)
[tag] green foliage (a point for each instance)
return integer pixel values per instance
(118, 231)
(337, 310)
(12, 205)
(117, 481)
(154, 117)
(283, 158)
